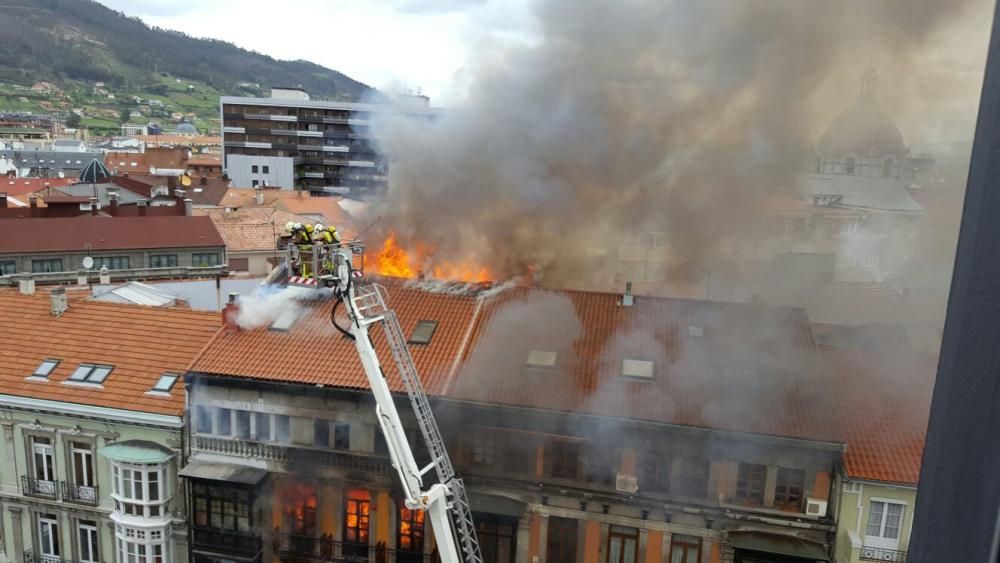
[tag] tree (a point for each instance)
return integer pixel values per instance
(73, 121)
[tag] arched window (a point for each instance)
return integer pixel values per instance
(887, 166)
(849, 164)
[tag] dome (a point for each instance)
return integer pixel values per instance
(95, 173)
(863, 129)
(186, 129)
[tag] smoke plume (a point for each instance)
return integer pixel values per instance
(628, 117)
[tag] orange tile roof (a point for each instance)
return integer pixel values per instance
(313, 352)
(24, 186)
(249, 236)
(883, 403)
(141, 343)
(328, 207)
(727, 366)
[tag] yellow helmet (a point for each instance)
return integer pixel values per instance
(332, 229)
(309, 228)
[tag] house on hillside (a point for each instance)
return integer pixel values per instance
(587, 426)
(92, 431)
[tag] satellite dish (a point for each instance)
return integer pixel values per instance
(185, 180)
(62, 174)
(88, 262)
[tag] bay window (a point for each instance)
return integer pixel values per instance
(139, 490)
(138, 545)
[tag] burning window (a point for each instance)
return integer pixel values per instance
(563, 459)
(638, 369)
(356, 522)
(411, 530)
(750, 483)
(221, 507)
(541, 359)
(298, 507)
(423, 332)
(655, 468)
(788, 491)
(694, 477)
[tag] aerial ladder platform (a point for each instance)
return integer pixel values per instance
(340, 267)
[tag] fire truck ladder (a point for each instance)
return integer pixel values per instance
(370, 301)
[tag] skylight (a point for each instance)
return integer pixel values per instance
(45, 368)
(423, 332)
(541, 359)
(165, 383)
(285, 321)
(90, 373)
(639, 369)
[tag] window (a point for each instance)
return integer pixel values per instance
(41, 451)
(321, 433)
(83, 464)
(48, 535)
(788, 490)
(262, 426)
(43, 266)
(411, 530)
(137, 545)
(562, 540)
(356, 521)
(203, 420)
(221, 507)
(239, 264)
(423, 332)
(496, 537)
(484, 449)
(242, 424)
(685, 549)
(165, 383)
(622, 544)
(205, 260)
(45, 368)
(111, 262)
(750, 483)
(254, 183)
(86, 533)
(849, 165)
(281, 428)
(884, 519)
(223, 422)
(694, 477)
(8, 267)
(139, 490)
(655, 472)
(541, 359)
(563, 457)
(341, 435)
(254, 169)
(640, 369)
(265, 169)
(163, 261)
(90, 373)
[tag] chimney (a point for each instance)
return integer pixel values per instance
(142, 207)
(26, 286)
(628, 299)
(113, 198)
(105, 276)
(171, 183)
(230, 311)
(258, 195)
(188, 207)
(33, 202)
(93, 205)
(3, 200)
(59, 304)
(81, 277)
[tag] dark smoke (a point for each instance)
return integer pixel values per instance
(634, 116)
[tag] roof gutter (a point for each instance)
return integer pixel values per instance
(90, 411)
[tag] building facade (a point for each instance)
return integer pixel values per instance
(290, 141)
(91, 430)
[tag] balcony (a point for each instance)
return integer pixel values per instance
(330, 551)
(243, 544)
(881, 554)
(79, 494)
(39, 488)
(293, 455)
(31, 557)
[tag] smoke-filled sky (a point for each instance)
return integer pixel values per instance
(645, 115)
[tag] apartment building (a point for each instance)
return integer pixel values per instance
(91, 414)
(590, 427)
(290, 141)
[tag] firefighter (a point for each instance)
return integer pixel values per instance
(334, 235)
(321, 234)
(303, 239)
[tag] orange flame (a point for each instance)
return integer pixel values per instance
(395, 261)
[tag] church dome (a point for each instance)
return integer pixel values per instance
(863, 129)
(186, 128)
(95, 173)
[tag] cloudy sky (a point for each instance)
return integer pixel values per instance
(389, 44)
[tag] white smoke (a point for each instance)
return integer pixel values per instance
(268, 302)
